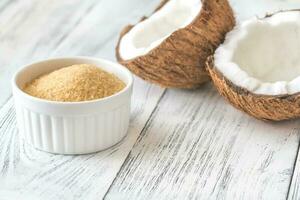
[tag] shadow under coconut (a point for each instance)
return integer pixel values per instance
(207, 94)
(204, 87)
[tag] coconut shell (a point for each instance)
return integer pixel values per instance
(265, 107)
(179, 61)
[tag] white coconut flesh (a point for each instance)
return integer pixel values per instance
(148, 34)
(263, 55)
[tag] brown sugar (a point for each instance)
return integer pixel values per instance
(75, 83)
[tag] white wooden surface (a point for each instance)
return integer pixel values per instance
(180, 145)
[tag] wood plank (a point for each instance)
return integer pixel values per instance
(294, 189)
(97, 34)
(196, 146)
(5, 3)
(32, 30)
(29, 174)
(249, 8)
(271, 6)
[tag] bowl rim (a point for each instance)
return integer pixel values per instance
(123, 70)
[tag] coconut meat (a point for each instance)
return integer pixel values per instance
(148, 34)
(263, 55)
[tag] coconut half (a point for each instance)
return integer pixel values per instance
(257, 69)
(171, 46)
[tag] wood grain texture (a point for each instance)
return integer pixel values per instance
(194, 145)
(30, 174)
(210, 151)
(251, 8)
(31, 30)
(294, 189)
(26, 173)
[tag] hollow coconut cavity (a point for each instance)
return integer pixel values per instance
(257, 69)
(171, 46)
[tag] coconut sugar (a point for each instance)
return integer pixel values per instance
(75, 83)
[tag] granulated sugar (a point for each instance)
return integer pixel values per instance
(75, 83)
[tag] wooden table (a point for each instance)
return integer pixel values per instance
(180, 145)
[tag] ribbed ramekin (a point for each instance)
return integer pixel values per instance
(72, 127)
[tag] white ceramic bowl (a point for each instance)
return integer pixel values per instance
(72, 127)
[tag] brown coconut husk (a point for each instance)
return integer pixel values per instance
(179, 61)
(264, 107)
